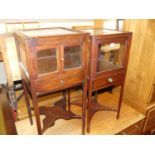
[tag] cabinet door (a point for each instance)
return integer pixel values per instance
(110, 56)
(72, 57)
(46, 60)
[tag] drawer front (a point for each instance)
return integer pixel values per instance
(51, 85)
(108, 81)
(135, 129)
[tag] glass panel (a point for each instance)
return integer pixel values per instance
(47, 61)
(110, 56)
(72, 57)
(46, 52)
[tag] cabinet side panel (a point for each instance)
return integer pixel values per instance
(140, 71)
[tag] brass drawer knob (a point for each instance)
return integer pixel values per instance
(110, 80)
(62, 59)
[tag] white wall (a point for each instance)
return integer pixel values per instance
(110, 24)
(10, 25)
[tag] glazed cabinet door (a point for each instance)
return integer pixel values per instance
(46, 60)
(110, 56)
(73, 58)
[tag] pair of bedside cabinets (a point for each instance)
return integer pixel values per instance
(58, 59)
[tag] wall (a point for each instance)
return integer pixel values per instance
(10, 25)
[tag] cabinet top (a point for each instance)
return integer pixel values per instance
(47, 32)
(100, 31)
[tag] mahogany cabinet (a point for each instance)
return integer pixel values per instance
(52, 59)
(108, 59)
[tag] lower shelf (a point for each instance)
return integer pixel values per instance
(53, 113)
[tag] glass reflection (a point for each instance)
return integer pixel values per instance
(72, 57)
(110, 56)
(47, 61)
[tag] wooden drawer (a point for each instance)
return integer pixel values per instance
(108, 81)
(57, 84)
(135, 129)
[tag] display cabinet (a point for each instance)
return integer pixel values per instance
(52, 59)
(108, 58)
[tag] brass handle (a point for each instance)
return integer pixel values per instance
(62, 59)
(110, 80)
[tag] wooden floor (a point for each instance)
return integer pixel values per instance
(103, 122)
